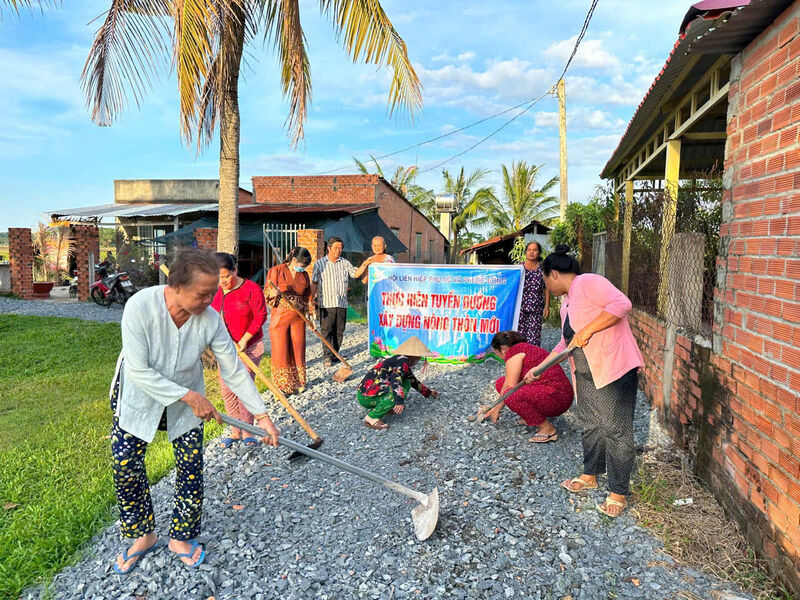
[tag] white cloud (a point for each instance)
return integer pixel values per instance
(591, 54)
(580, 117)
(465, 56)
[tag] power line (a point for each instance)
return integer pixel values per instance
(528, 104)
(438, 137)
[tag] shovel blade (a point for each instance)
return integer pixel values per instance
(313, 445)
(425, 516)
(342, 373)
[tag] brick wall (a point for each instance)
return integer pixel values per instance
(734, 404)
(20, 255)
(312, 240)
(87, 240)
(360, 190)
(206, 238)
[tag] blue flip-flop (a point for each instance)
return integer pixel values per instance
(189, 554)
(126, 557)
(250, 441)
(227, 442)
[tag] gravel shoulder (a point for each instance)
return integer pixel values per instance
(274, 529)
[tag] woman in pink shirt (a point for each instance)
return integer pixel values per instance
(604, 368)
(241, 304)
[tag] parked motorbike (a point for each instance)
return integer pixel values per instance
(111, 288)
(73, 285)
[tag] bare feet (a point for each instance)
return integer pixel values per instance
(140, 544)
(182, 547)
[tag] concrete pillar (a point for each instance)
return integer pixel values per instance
(671, 183)
(626, 236)
(312, 240)
(20, 254)
(87, 246)
(599, 253)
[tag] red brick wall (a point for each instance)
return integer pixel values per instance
(759, 293)
(312, 240)
(395, 211)
(87, 240)
(20, 255)
(736, 406)
(206, 238)
(316, 189)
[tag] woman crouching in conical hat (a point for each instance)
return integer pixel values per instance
(385, 387)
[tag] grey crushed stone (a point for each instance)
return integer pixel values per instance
(88, 311)
(506, 529)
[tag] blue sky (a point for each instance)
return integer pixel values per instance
(474, 59)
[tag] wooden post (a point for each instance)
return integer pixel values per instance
(626, 236)
(562, 137)
(671, 183)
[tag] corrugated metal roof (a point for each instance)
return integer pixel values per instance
(532, 226)
(112, 211)
(303, 208)
(710, 28)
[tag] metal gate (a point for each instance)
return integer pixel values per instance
(278, 240)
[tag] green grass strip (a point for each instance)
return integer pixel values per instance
(54, 446)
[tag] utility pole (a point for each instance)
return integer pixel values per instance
(562, 137)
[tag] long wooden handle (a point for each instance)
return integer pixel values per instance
(312, 327)
(278, 394)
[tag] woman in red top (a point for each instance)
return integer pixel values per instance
(549, 396)
(242, 306)
(287, 330)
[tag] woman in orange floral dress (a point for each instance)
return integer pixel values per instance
(287, 330)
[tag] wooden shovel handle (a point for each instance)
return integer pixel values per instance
(312, 327)
(278, 394)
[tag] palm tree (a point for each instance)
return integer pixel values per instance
(404, 181)
(205, 40)
(15, 5)
(522, 201)
(472, 207)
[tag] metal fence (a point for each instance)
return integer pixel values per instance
(278, 240)
(677, 285)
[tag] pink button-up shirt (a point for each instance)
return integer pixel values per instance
(612, 352)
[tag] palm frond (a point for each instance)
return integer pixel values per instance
(16, 5)
(286, 33)
(368, 35)
(129, 49)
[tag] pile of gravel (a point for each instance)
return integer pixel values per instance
(305, 530)
(88, 311)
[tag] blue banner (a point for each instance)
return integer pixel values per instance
(454, 309)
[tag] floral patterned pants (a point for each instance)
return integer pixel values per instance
(381, 404)
(133, 490)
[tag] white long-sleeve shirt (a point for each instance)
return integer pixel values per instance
(161, 362)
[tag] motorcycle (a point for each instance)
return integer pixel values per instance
(111, 288)
(73, 285)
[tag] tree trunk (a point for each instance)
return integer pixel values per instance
(229, 132)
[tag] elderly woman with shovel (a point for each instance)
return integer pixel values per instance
(241, 305)
(158, 384)
(386, 385)
(605, 364)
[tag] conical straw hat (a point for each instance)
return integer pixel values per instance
(413, 346)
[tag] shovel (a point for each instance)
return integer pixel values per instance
(424, 517)
(345, 370)
(316, 440)
(541, 368)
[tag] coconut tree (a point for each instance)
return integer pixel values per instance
(522, 201)
(473, 207)
(204, 40)
(16, 5)
(404, 181)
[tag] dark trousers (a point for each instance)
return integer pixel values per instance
(607, 418)
(331, 325)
